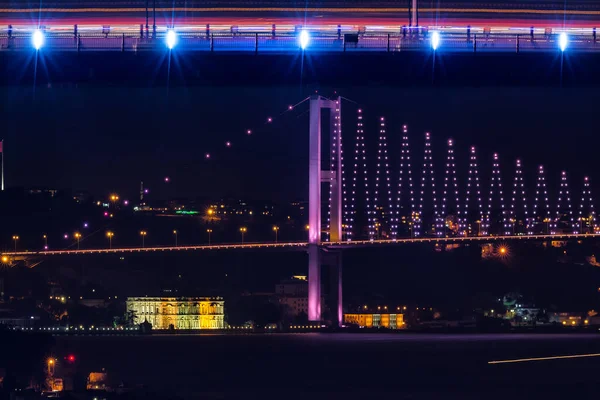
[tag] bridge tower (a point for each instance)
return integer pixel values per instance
(333, 176)
(413, 13)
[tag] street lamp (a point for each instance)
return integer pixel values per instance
(37, 39)
(110, 235)
(243, 230)
(171, 39)
(77, 236)
(435, 40)
(209, 231)
(304, 39)
(45, 237)
(563, 41)
(143, 235)
(15, 238)
(547, 221)
(51, 363)
(175, 233)
(276, 230)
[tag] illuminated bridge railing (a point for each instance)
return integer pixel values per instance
(265, 42)
(301, 246)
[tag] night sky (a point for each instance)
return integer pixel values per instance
(107, 139)
(104, 137)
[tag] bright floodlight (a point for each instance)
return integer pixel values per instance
(171, 38)
(304, 39)
(37, 39)
(435, 40)
(563, 41)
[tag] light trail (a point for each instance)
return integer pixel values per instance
(302, 245)
(518, 360)
(387, 10)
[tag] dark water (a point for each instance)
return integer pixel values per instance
(348, 365)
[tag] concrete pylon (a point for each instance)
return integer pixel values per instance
(333, 176)
(414, 13)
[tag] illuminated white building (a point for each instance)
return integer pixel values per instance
(178, 312)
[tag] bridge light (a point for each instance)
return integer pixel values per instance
(171, 39)
(563, 41)
(304, 39)
(435, 40)
(37, 39)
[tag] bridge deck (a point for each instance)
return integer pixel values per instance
(302, 245)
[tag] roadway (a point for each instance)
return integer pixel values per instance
(261, 18)
(301, 245)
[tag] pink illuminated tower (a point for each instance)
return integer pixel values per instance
(332, 176)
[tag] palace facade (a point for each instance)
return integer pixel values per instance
(178, 312)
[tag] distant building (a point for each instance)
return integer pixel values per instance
(297, 285)
(292, 294)
(45, 191)
(296, 305)
(369, 320)
(178, 312)
(567, 318)
(11, 317)
(93, 303)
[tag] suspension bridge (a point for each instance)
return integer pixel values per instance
(387, 197)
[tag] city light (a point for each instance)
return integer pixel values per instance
(304, 39)
(563, 41)
(435, 40)
(5, 259)
(382, 174)
(357, 156)
(450, 180)
(171, 39)
(37, 39)
(405, 175)
(110, 235)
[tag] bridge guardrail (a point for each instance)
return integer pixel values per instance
(265, 42)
